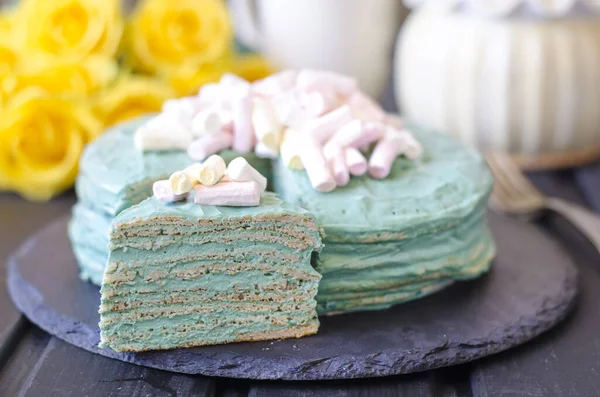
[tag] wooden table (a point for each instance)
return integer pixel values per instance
(564, 362)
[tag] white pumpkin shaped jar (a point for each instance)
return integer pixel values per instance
(518, 76)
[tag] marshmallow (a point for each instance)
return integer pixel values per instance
(164, 132)
(290, 112)
(181, 182)
(183, 107)
(266, 125)
(211, 120)
(413, 150)
(394, 121)
(275, 84)
(290, 150)
(358, 134)
(235, 194)
(211, 93)
(337, 162)
(239, 170)
(236, 83)
(315, 164)
(212, 170)
(319, 103)
(203, 147)
(324, 127)
(366, 108)
(163, 192)
(243, 134)
(355, 161)
(310, 80)
(385, 152)
(265, 152)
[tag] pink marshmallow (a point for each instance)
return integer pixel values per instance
(366, 107)
(232, 194)
(209, 144)
(310, 80)
(337, 162)
(317, 168)
(323, 128)
(358, 134)
(243, 133)
(355, 161)
(319, 103)
(162, 191)
(385, 152)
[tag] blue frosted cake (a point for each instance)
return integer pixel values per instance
(403, 210)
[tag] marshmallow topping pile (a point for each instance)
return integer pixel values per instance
(317, 121)
(238, 185)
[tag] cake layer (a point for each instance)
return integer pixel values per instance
(228, 332)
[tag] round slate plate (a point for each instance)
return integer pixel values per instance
(531, 287)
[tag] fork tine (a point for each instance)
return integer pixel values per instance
(502, 185)
(512, 191)
(518, 180)
(501, 194)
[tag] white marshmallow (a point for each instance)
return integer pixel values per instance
(239, 170)
(164, 132)
(290, 112)
(355, 161)
(266, 125)
(319, 103)
(337, 162)
(203, 147)
(163, 192)
(234, 194)
(207, 121)
(323, 128)
(233, 82)
(183, 107)
(413, 150)
(316, 166)
(243, 133)
(211, 93)
(212, 170)
(265, 152)
(275, 84)
(290, 150)
(181, 182)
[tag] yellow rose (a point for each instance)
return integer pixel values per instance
(5, 23)
(165, 34)
(131, 97)
(253, 67)
(70, 28)
(9, 61)
(58, 76)
(41, 139)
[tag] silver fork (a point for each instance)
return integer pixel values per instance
(514, 194)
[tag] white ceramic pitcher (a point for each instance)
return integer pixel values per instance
(353, 37)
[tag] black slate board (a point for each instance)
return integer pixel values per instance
(531, 287)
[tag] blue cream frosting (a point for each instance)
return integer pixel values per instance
(386, 241)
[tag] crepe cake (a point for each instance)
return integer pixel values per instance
(183, 275)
